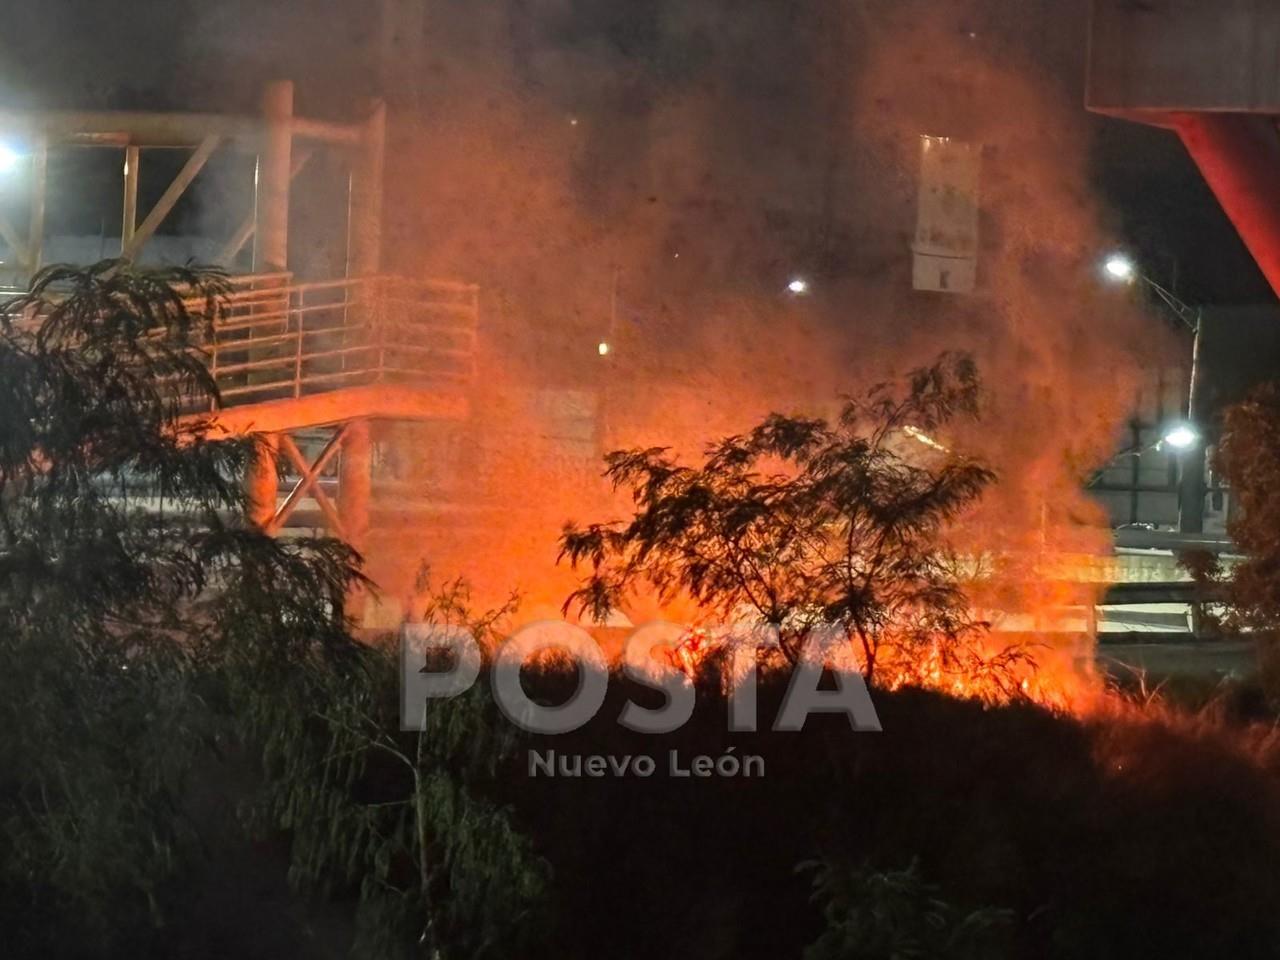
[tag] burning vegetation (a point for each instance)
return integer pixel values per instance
(803, 526)
(655, 279)
(675, 237)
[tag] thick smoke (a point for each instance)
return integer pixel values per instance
(1061, 356)
(653, 181)
(651, 175)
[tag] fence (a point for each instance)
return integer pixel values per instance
(278, 340)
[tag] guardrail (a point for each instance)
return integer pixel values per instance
(278, 340)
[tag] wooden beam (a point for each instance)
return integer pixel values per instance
(16, 244)
(310, 476)
(126, 127)
(249, 225)
(39, 192)
(121, 128)
(309, 482)
(132, 160)
(195, 163)
(271, 194)
(381, 401)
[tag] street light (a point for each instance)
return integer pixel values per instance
(1119, 267)
(799, 286)
(1182, 437)
(1122, 269)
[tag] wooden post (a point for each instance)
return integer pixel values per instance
(132, 160)
(262, 480)
(271, 236)
(355, 483)
(39, 190)
(364, 216)
(355, 491)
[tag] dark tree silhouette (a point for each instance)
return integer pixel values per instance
(1248, 456)
(802, 523)
(144, 626)
(124, 573)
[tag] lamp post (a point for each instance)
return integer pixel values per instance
(1191, 453)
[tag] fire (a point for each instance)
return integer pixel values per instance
(688, 655)
(989, 668)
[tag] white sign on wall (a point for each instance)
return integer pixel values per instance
(945, 250)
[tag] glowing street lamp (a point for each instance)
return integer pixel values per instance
(1122, 269)
(603, 348)
(1119, 267)
(1182, 436)
(799, 286)
(1185, 436)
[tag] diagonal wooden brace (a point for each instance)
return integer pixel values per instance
(195, 163)
(309, 483)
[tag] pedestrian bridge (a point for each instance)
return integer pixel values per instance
(307, 366)
(288, 355)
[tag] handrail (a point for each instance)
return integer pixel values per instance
(275, 339)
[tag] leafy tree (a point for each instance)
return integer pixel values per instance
(896, 914)
(123, 567)
(142, 623)
(802, 522)
(400, 818)
(1248, 457)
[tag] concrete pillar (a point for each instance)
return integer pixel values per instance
(355, 483)
(271, 238)
(261, 481)
(364, 217)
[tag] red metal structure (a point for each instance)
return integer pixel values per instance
(1211, 73)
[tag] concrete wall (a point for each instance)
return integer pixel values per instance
(1165, 55)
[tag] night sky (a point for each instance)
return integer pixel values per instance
(612, 60)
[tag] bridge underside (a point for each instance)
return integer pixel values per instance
(307, 368)
(1211, 73)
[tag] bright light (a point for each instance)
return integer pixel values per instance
(1119, 267)
(1182, 436)
(603, 348)
(8, 158)
(798, 286)
(915, 433)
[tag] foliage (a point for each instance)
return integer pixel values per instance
(395, 818)
(123, 567)
(138, 613)
(895, 915)
(1091, 830)
(806, 523)
(1248, 457)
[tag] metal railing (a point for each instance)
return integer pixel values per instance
(277, 340)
